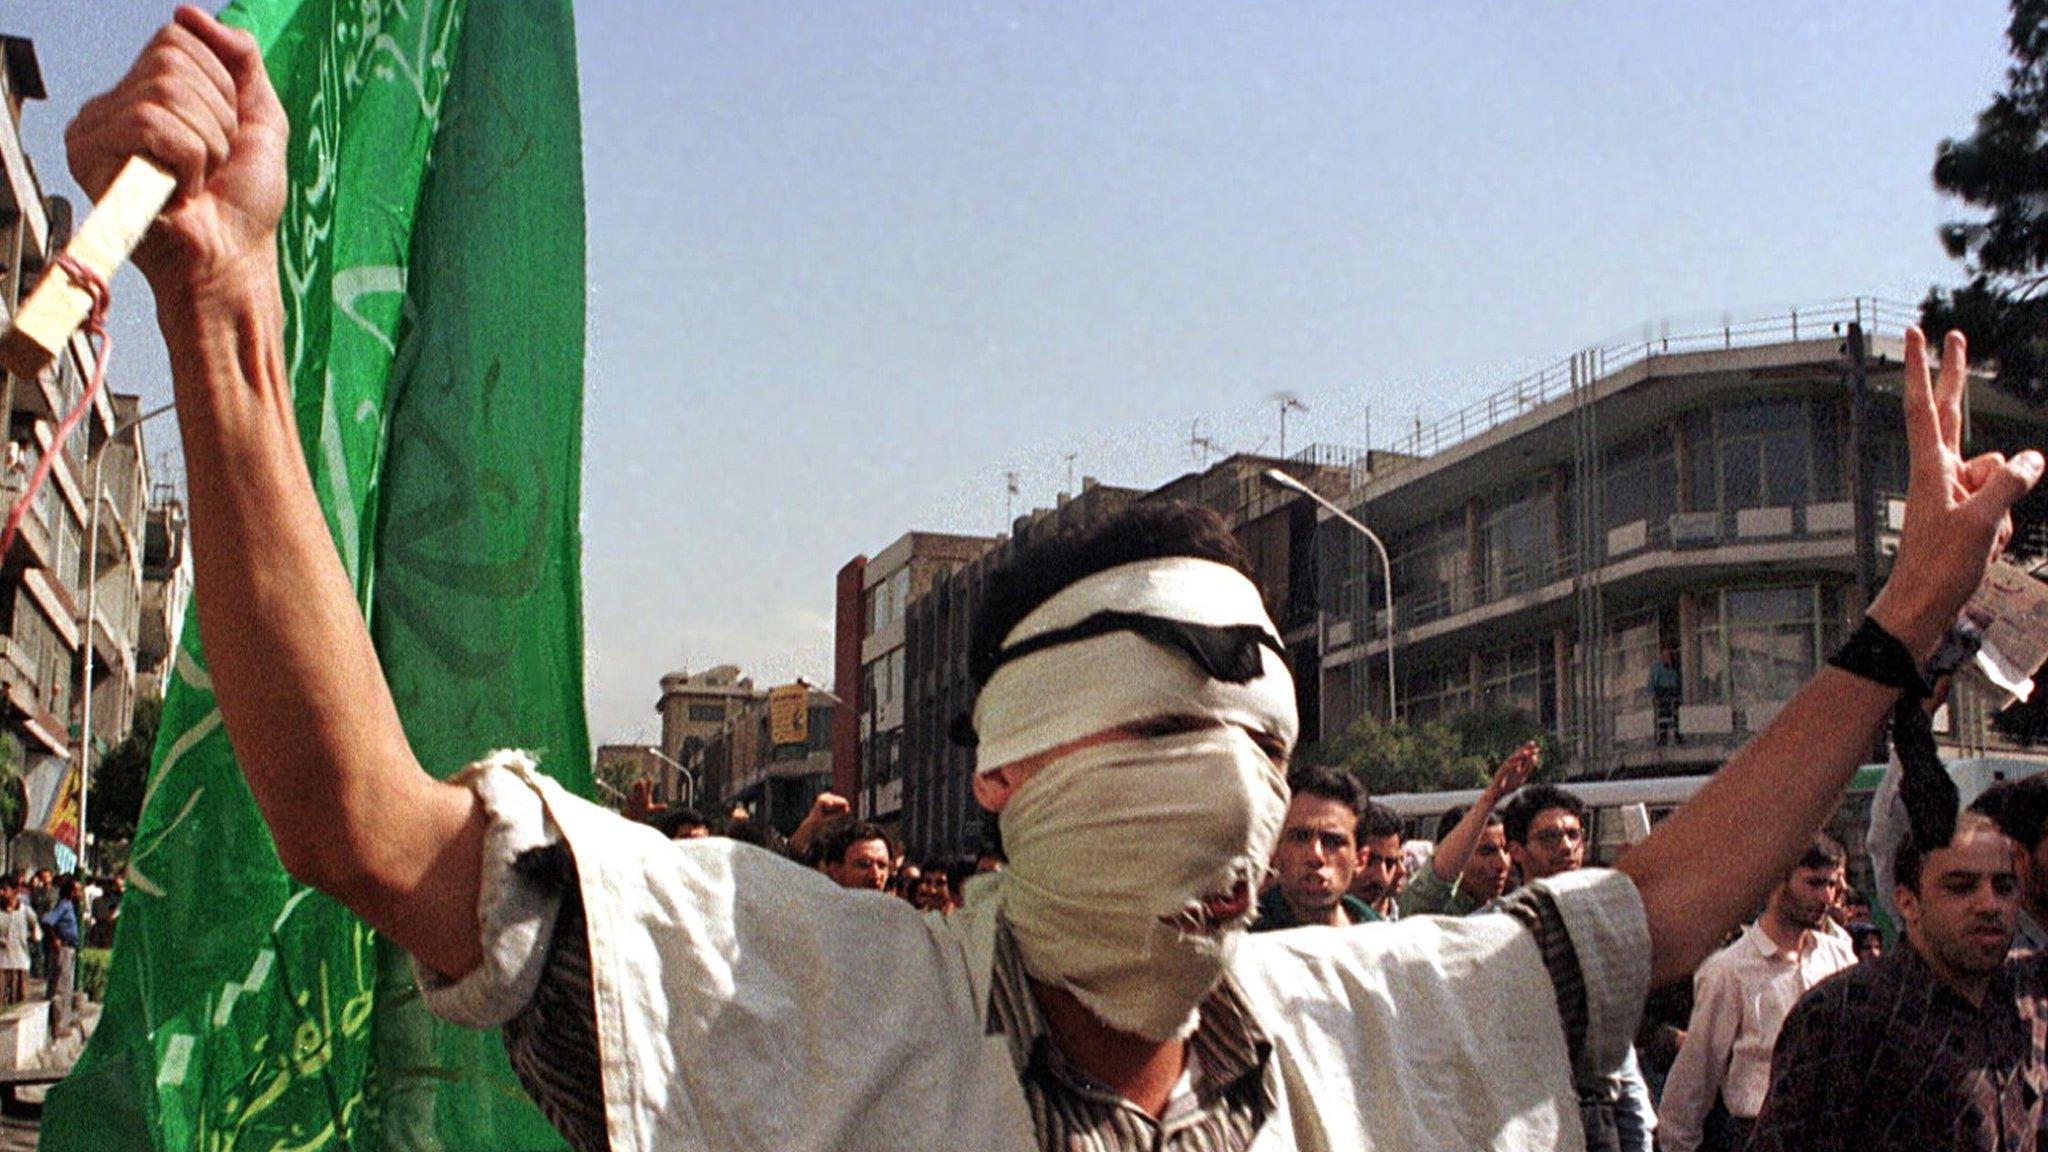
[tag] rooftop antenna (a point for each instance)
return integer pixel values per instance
(1070, 470)
(1287, 401)
(1009, 498)
(1200, 446)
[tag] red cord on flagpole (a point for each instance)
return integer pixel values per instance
(95, 327)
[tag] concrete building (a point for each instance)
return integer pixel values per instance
(1724, 504)
(60, 593)
(875, 656)
(694, 709)
(166, 589)
(772, 757)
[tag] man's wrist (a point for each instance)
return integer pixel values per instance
(190, 294)
(1915, 627)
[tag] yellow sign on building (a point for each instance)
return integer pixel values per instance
(789, 714)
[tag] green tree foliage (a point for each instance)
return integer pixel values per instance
(13, 789)
(2002, 168)
(121, 776)
(1434, 756)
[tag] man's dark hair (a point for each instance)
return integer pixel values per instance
(959, 870)
(1146, 531)
(676, 819)
(1532, 801)
(2019, 808)
(835, 838)
(1330, 784)
(759, 834)
(1823, 853)
(1910, 856)
(1449, 820)
(1377, 821)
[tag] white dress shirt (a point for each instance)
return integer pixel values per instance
(1741, 997)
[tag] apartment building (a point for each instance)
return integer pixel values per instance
(1647, 547)
(869, 659)
(71, 584)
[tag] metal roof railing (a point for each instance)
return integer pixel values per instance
(1819, 322)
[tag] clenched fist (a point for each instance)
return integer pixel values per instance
(199, 104)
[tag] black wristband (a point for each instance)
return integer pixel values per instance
(1878, 656)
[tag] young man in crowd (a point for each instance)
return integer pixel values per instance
(1134, 718)
(1545, 830)
(1382, 869)
(1470, 867)
(2020, 809)
(855, 854)
(1741, 997)
(1935, 1044)
(1317, 857)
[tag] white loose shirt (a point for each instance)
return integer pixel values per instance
(743, 1002)
(1741, 997)
(17, 930)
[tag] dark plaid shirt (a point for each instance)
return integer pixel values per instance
(1886, 1056)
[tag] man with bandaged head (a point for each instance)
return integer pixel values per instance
(1136, 712)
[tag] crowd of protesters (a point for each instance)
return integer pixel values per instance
(1719, 1071)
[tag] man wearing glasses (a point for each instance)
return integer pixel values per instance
(1546, 834)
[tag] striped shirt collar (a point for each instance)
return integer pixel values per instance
(1229, 1056)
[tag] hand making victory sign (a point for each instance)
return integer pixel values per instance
(1958, 512)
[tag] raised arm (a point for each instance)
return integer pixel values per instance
(300, 690)
(1709, 863)
(1451, 856)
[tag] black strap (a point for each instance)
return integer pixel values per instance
(1878, 656)
(1227, 652)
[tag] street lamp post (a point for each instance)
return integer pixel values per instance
(1282, 479)
(92, 556)
(688, 776)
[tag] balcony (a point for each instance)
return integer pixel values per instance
(1676, 548)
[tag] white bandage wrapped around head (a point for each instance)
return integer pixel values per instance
(1066, 691)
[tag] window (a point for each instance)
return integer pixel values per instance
(1513, 679)
(1517, 545)
(1759, 454)
(1758, 645)
(706, 713)
(1641, 480)
(1440, 691)
(1632, 651)
(1429, 572)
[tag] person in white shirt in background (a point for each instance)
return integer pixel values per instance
(18, 932)
(1741, 997)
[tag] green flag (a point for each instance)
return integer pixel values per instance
(432, 258)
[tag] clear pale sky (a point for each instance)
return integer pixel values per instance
(851, 263)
